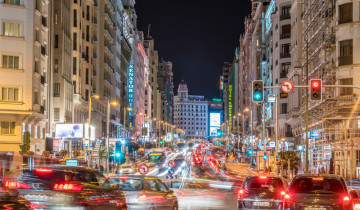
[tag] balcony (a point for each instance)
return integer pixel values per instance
(108, 50)
(108, 17)
(285, 36)
(108, 34)
(44, 22)
(285, 16)
(345, 60)
(42, 109)
(108, 66)
(108, 81)
(285, 55)
(42, 79)
(345, 20)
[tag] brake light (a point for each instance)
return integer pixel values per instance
(123, 177)
(319, 179)
(241, 191)
(283, 193)
(68, 187)
(16, 185)
(43, 171)
(287, 196)
(263, 177)
(357, 206)
(142, 197)
(346, 198)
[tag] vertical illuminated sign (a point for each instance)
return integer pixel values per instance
(230, 104)
(221, 83)
(131, 89)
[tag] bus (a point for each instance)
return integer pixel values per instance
(157, 156)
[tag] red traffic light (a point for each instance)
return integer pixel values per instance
(315, 84)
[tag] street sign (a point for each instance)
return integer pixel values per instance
(277, 157)
(171, 163)
(287, 86)
(171, 171)
(143, 169)
(169, 176)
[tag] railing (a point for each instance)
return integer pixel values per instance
(285, 36)
(42, 80)
(285, 16)
(345, 20)
(345, 60)
(283, 74)
(107, 79)
(42, 109)
(43, 21)
(285, 55)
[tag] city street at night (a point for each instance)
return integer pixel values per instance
(190, 105)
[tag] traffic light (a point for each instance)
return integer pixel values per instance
(315, 90)
(250, 152)
(258, 91)
(265, 156)
(161, 141)
(118, 149)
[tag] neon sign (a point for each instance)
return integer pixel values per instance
(230, 104)
(141, 49)
(131, 89)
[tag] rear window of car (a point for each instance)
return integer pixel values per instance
(46, 180)
(317, 185)
(129, 184)
(267, 183)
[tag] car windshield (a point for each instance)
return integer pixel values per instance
(129, 184)
(126, 166)
(316, 185)
(267, 183)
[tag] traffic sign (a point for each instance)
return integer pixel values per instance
(287, 86)
(170, 176)
(171, 163)
(171, 171)
(143, 169)
(277, 157)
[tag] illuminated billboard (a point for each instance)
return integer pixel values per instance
(74, 131)
(215, 122)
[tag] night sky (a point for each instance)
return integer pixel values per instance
(198, 36)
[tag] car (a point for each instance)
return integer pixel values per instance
(318, 192)
(10, 199)
(355, 198)
(66, 187)
(145, 192)
(207, 194)
(126, 169)
(265, 192)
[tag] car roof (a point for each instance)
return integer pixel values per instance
(133, 176)
(329, 176)
(64, 167)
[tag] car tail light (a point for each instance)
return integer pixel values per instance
(68, 187)
(283, 193)
(241, 193)
(123, 177)
(346, 198)
(263, 177)
(357, 206)
(16, 185)
(287, 200)
(43, 171)
(287, 197)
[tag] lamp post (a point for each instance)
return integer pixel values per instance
(125, 109)
(238, 123)
(114, 103)
(154, 126)
(90, 109)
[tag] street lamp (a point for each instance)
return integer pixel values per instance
(114, 103)
(90, 156)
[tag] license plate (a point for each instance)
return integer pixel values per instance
(261, 203)
(37, 197)
(313, 208)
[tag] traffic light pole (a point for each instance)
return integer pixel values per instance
(264, 130)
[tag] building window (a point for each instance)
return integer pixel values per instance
(87, 33)
(285, 31)
(75, 41)
(11, 29)
(345, 13)
(346, 52)
(56, 114)
(7, 128)
(11, 61)
(56, 66)
(284, 69)
(75, 18)
(346, 91)
(285, 12)
(57, 90)
(285, 51)
(74, 85)
(87, 12)
(284, 108)
(87, 76)
(74, 65)
(56, 41)
(14, 2)
(10, 94)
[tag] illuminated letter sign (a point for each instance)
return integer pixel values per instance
(230, 105)
(131, 88)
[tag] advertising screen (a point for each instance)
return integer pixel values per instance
(215, 120)
(74, 131)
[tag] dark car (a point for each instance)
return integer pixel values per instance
(9, 199)
(65, 187)
(262, 192)
(145, 192)
(318, 192)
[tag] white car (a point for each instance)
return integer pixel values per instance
(126, 169)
